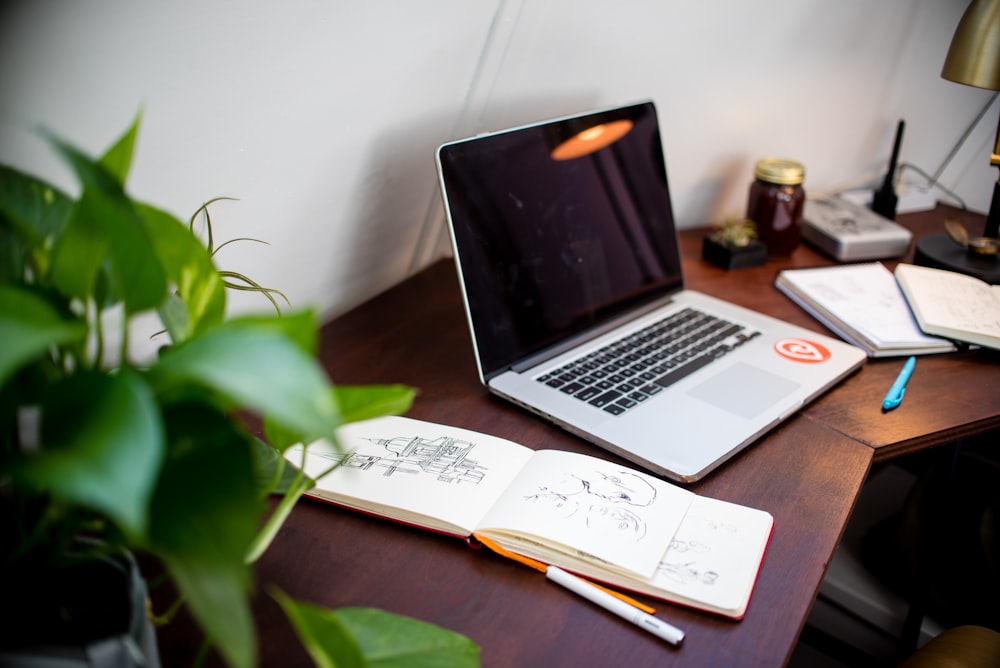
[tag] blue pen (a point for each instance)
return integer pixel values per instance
(898, 389)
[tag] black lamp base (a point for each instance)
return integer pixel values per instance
(940, 252)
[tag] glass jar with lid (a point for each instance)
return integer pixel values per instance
(775, 203)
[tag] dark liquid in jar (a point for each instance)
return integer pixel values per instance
(777, 211)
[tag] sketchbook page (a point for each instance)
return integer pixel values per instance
(565, 505)
(953, 303)
(715, 556)
(439, 477)
(866, 298)
(712, 562)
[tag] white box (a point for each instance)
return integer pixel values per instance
(850, 233)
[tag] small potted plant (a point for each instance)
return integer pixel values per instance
(103, 457)
(734, 245)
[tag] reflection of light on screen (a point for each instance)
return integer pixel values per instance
(592, 139)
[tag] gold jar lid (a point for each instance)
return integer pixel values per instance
(780, 171)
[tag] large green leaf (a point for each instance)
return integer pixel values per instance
(12, 254)
(204, 514)
(29, 326)
(117, 160)
(188, 265)
(251, 363)
(362, 402)
(391, 641)
(217, 596)
(298, 327)
(327, 641)
(354, 403)
(33, 209)
(102, 447)
(104, 225)
(275, 474)
(368, 638)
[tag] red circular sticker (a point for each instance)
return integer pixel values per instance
(802, 350)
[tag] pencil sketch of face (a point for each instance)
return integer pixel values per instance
(557, 496)
(615, 519)
(621, 487)
(566, 485)
(558, 505)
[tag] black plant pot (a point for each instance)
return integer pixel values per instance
(91, 614)
(723, 255)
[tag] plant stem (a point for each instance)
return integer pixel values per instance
(123, 359)
(94, 315)
(168, 616)
(277, 519)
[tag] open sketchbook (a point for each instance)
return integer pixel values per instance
(862, 304)
(953, 305)
(600, 520)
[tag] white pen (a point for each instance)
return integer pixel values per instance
(671, 634)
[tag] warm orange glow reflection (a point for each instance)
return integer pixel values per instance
(592, 139)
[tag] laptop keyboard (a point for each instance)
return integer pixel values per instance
(623, 374)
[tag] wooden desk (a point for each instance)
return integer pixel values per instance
(949, 397)
(807, 473)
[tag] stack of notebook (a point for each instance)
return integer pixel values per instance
(863, 304)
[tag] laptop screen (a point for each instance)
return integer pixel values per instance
(555, 238)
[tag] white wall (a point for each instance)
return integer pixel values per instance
(322, 116)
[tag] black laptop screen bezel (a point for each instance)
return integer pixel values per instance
(551, 251)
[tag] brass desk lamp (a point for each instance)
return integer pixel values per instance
(973, 59)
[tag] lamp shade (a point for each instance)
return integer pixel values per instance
(974, 56)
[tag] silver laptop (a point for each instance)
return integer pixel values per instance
(567, 255)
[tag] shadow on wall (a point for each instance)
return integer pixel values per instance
(704, 204)
(396, 223)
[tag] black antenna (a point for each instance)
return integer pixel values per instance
(884, 199)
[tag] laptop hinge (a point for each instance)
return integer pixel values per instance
(553, 351)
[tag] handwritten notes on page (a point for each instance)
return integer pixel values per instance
(954, 305)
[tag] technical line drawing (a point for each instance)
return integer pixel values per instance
(445, 458)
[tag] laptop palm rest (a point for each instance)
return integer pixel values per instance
(744, 390)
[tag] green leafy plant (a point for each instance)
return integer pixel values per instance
(155, 458)
(736, 232)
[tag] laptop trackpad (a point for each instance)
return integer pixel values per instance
(744, 390)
